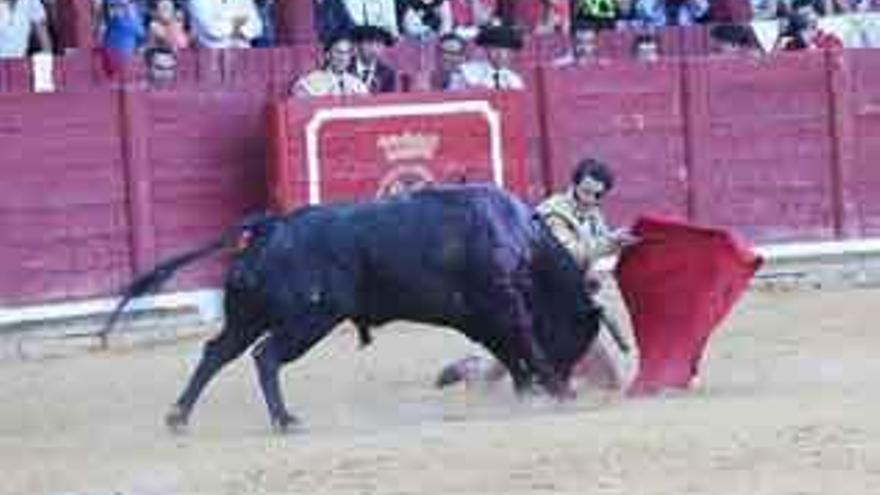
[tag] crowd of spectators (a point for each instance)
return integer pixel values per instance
(355, 33)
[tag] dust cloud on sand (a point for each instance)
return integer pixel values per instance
(787, 404)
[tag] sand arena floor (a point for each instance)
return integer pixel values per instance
(787, 404)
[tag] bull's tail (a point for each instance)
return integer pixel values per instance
(151, 281)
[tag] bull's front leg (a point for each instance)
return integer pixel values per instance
(364, 333)
(548, 376)
(536, 360)
(538, 365)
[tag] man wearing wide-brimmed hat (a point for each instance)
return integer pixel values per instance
(499, 43)
(368, 66)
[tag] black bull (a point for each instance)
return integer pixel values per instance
(473, 258)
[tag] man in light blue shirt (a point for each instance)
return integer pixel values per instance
(659, 13)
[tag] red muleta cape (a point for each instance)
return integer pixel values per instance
(678, 283)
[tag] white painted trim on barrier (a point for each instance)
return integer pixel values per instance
(324, 115)
(210, 301)
(796, 251)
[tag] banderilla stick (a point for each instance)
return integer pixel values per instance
(613, 328)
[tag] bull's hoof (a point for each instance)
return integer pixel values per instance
(560, 390)
(525, 391)
(470, 369)
(176, 420)
(449, 375)
(284, 424)
(565, 394)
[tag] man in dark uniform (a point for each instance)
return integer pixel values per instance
(370, 42)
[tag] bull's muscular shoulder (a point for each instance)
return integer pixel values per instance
(472, 191)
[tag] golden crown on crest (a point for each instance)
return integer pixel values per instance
(409, 146)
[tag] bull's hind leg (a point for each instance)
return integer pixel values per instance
(242, 326)
(282, 346)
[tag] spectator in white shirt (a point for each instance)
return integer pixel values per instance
(646, 47)
(18, 19)
(499, 42)
(333, 77)
(425, 19)
(379, 13)
(584, 46)
(224, 23)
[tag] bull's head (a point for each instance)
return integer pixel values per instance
(567, 336)
(567, 318)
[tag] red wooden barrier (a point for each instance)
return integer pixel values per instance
(118, 180)
(629, 115)
(62, 198)
(202, 157)
(326, 150)
(15, 75)
(78, 71)
(265, 70)
(762, 159)
(292, 62)
(860, 105)
(690, 41)
(780, 148)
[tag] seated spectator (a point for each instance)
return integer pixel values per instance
(811, 8)
(425, 19)
(266, 9)
(555, 16)
(224, 24)
(730, 11)
(659, 13)
(379, 13)
(765, 9)
(628, 16)
(469, 15)
(161, 64)
(167, 27)
(370, 43)
(333, 77)
(124, 32)
(18, 20)
(865, 27)
(600, 13)
(802, 33)
(864, 5)
(734, 39)
(55, 20)
(584, 46)
(332, 19)
(646, 47)
(499, 43)
(832, 7)
(451, 55)
(787, 7)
